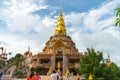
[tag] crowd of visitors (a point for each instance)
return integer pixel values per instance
(54, 76)
(59, 76)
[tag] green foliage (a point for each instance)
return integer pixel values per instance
(32, 69)
(92, 62)
(117, 21)
(0, 66)
(118, 12)
(112, 72)
(17, 59)
(19, 74)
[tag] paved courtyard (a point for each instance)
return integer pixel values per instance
(8, 77)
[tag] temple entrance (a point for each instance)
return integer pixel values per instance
(59, 52)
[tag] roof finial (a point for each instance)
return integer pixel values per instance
(108, 61)
(109, 58)
(60, 26)
(60, 10)
(29, 48)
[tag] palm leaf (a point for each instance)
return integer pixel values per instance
(118, 12)
(117, 22)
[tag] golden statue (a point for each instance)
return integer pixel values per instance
(67, 72)
(90, 77)
(78, 76)
(58, 65)
(50, 71)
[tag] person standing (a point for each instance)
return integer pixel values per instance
(31, 77)
(61, 76)
(68, 76)
(1, 73)
(37, 76)
(54, 75)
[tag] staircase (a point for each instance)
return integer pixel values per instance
(7, 77)
(11, 69)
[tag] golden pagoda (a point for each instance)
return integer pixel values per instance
(109, 63)
(58, 49)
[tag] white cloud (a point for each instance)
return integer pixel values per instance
(96, 29)
(74, 18)
(97, 17)
(18, 17)
(24, 28)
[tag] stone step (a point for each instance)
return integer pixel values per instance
(7, 77)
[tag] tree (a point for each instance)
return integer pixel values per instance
(93, 62)
(117, 21)
(90, 63)
(112, 72)
(17, 59)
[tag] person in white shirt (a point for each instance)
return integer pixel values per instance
(54, 75)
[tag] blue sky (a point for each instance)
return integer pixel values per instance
(90, 23)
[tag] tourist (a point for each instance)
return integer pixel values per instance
(1, 73)
(54, 75)
(61, 76)
(37, 76)
(72, 76)
(68, 76)
(31, 77)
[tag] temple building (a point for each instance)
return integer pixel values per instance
(59, 53)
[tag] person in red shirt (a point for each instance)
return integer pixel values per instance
(31, 77)
(37, 76)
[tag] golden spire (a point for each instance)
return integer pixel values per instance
(60, 27)
(28, 48)
(108, 61)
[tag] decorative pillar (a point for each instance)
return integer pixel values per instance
(38, 61)
(53, 60)
(65, 63)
